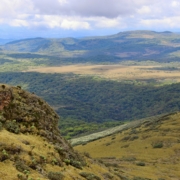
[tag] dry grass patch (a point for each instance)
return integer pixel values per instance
(158, 152)
(116, 71)
(16, 164)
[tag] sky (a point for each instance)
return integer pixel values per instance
(79, 18)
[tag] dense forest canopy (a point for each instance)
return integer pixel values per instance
(90, 100)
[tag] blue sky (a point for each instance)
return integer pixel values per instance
(78, 18)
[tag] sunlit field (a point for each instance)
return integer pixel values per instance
(116, 71)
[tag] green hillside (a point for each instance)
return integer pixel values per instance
(84, 101)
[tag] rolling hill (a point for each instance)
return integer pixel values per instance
(145, 151)
(131, 45)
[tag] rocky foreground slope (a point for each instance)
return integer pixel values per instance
(31, 147)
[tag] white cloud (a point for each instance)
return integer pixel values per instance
(175, 4)
(19, 23)
(164, 23)
(103, 22)
(144, 10)
(67, 24)
(91, 14)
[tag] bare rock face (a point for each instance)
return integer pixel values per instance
(5, 98)
(24, 112)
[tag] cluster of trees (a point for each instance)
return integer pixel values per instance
(86, 101)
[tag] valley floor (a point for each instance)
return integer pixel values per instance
(117, 71)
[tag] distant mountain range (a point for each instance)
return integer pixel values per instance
(131, 45)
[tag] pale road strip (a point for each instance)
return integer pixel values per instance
(98, 135)
(110, 131)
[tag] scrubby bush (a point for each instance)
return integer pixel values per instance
(140, 164)
(126, 138)
(140, 178)
(108, 176)
(76, 164)
(157, 145)
(89, 176)
(21, 166)
(55, 176)
(130, 158)
(12, 126)
(1, 126)
(4, 155)
(133, 138)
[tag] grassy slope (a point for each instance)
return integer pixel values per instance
(30, 143)
(45, 149)
(149, 151)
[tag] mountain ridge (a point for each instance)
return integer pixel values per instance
(129, 45)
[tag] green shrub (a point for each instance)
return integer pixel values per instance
(4, 155)
(140, 178)
(21, 166)
(12, 126)
(125, 146)
(22, 177)
(89, 176)
(1, 126)
(55, 176)
(130, 158)
(67, 161)
(133, 138)
(121, 176)
(126, 138)
(87, 155)
(108, 176)
(140, 164)
(157, 145)
(76, 164)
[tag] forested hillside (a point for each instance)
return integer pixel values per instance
(131, 45)
(141, 60)
(91, 100)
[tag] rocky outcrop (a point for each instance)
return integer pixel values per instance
(24, 112)
(31, 146)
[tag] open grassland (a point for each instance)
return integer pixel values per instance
(151, 150)
(118, 71)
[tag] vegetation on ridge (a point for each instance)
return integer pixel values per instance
(31, 146)
(131, 45)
